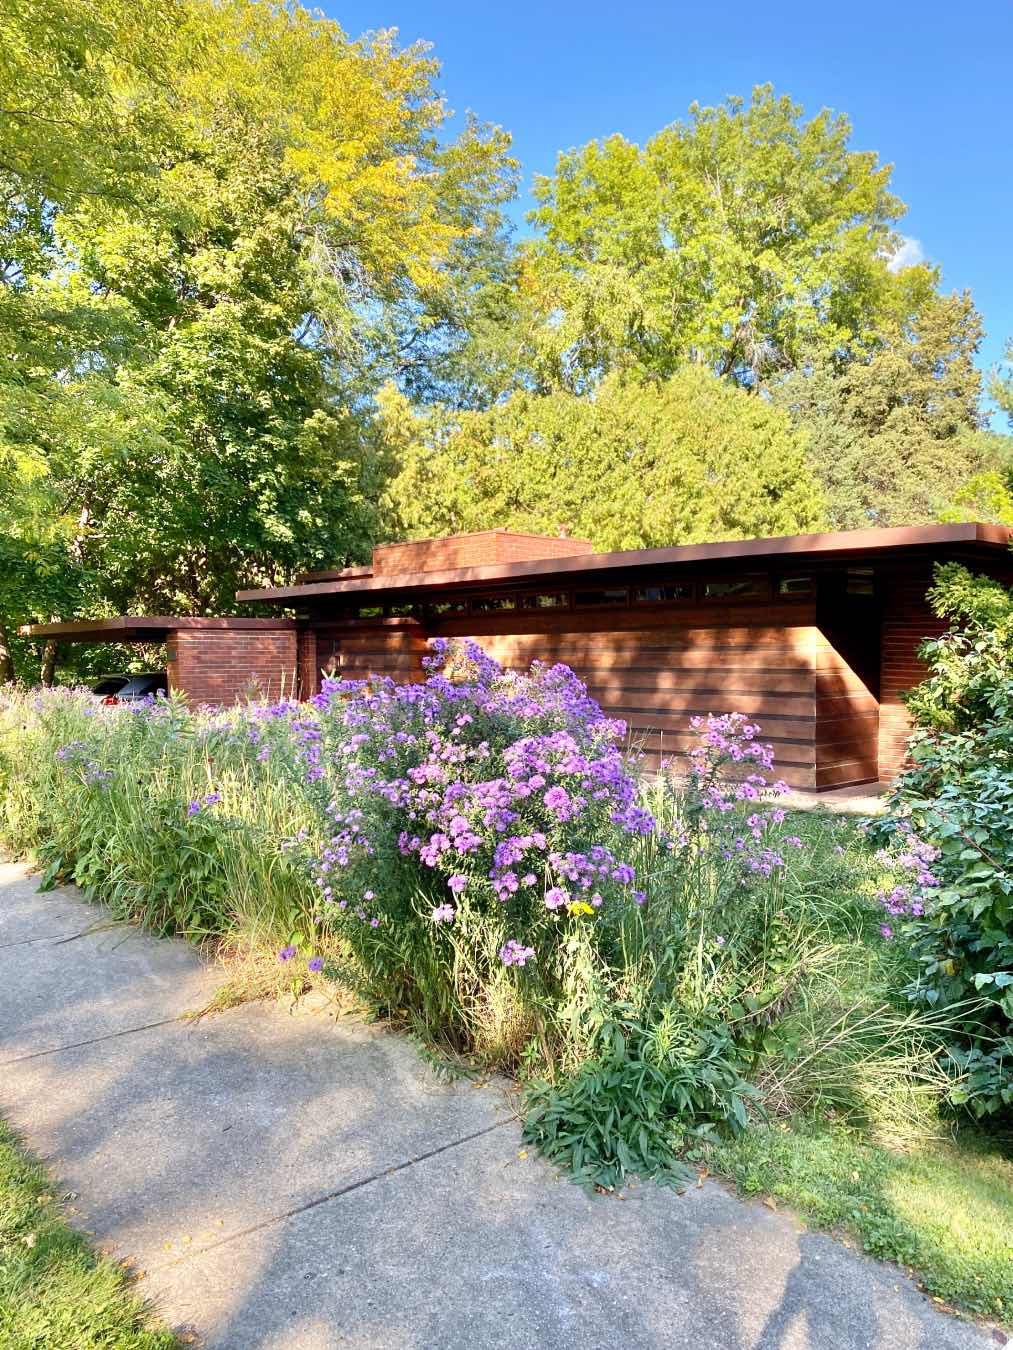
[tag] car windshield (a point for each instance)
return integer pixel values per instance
(112, 685)
(140, 685)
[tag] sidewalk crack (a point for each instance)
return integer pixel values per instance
(92, 1040)
(23, 942)
(336, 1194)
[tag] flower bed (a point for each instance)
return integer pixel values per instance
(475, 858)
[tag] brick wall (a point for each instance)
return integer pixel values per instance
(224, 665)
(473, 550)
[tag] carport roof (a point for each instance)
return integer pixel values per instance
(140, 627)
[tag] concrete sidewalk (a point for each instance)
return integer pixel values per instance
(288, 1182)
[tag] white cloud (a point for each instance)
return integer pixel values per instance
(909, 254)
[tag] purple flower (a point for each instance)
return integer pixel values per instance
(193, 809)
(443, 914)
(457, 883)
(886, 930)
(315, 963)
(286, 953)
(512, 953)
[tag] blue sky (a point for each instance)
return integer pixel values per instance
(926, 85)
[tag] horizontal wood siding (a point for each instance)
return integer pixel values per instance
(381, 648)
(658, 669)
(907, 622)
(847, 721)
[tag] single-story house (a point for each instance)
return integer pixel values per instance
(814, 635)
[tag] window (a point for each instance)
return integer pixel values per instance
(860, 581)
(403, 611)
(656, 595)
(736, 588)
(614, 596)
(796, 586)
(369, 612)
(546, 600)
(491, 604)
(444, 608)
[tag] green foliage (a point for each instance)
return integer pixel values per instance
(649, 1090)
(719, 464)
(894, 434)
(745, 238)
(242, 227)
(986, 496)
(971, 666)
(1001, 385)
(945, 1208)
(54, 1290)
(110, 813)
(958, 798)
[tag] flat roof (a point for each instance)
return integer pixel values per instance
(847, 543)
(141, 627)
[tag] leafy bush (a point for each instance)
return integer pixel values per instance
(649, 1088)
(481, 871)
(949, 836)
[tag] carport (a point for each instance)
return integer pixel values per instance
(211, 660)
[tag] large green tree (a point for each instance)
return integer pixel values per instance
(264, 218)
(642, 463)
(745, 238)
(894, 435)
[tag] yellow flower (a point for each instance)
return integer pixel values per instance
(580, 907)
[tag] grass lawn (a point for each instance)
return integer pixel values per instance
(55, 1292)
(945, 1210)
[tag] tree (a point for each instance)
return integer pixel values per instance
(196, 316)
(643, 463)
(746, 238)
(894, 436)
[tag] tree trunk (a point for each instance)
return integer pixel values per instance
(6, 656)
(49, 654)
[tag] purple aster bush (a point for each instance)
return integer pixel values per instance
(486, 812)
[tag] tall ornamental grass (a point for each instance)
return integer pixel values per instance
(475, 858)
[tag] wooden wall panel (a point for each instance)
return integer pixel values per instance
(384, 647)
(847, 721)
(657, 668)
(907, 621)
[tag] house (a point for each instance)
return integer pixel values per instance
(815, 636)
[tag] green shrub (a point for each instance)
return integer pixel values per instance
(949, 837)
(651, 1089)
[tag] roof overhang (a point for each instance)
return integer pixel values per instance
(141, 628)
(841, 544)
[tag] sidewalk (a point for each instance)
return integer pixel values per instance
(288, 1182)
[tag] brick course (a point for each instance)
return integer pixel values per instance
(473, 550)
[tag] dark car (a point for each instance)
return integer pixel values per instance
(139, 687)
(109, 684)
